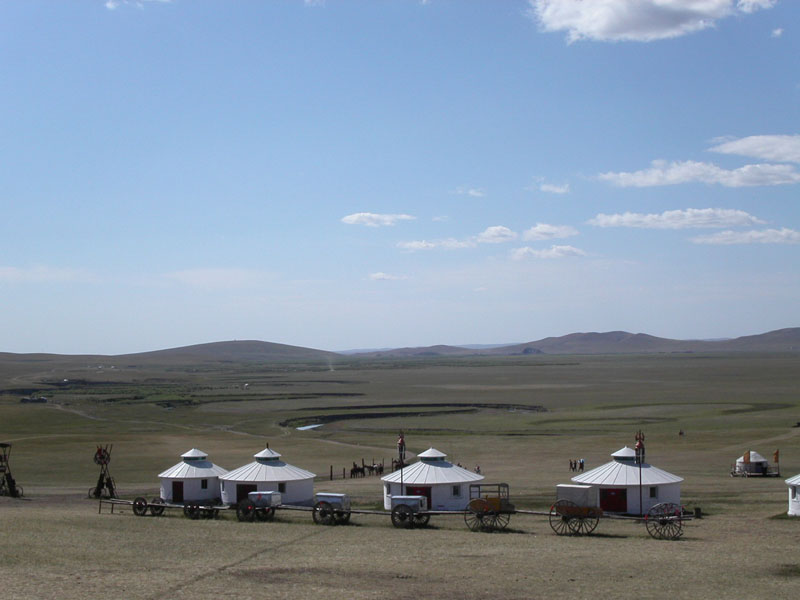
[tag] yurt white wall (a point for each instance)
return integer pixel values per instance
(292, 492)
(193, 489)
(652, 495)
(451, 496)
(794, 495)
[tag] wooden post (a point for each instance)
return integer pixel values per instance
(331, 472)
(344, 472)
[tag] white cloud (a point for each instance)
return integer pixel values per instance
(664, 173)
(749, 6)
(380, 276)
(375, 220)
(497, 234)
(543, 231)
(679, 219)
(217, 277)
(115, 4)
(766, 236)
(470, 191)
(778, 32)
(635, 20)
(447, 244)
(552, 188)
(44, 274)
(552, 252)
(778, 148)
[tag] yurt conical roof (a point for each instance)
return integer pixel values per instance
(755, 457)
(268, 467)
(432, 469)
(193, 466)
(623, 471)
(793, 480)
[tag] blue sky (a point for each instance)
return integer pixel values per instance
(354, 174)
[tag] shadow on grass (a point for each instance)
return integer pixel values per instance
(787, 570)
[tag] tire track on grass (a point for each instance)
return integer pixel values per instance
(219, 570)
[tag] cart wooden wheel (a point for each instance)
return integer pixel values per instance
(191, 511)
(665, 521)
(500, 520)
(561, 515)
(402, 516)
(156, 507)
(342, 517)
(421, 520)
(140, 507)
(323, 513)
(477, 511)
(583, 523)
(246, 511)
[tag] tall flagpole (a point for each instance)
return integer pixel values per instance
(640, 460)
(401, 454)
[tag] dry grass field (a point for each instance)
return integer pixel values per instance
(520, 418)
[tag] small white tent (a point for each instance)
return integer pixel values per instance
(445, 485)
(268, 473)
(619, 484)
(794, 495)
(751, 463)
(193, 479)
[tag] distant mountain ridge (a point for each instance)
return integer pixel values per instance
(613, 342)
(610, 342)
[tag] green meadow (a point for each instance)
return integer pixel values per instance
(520, 418)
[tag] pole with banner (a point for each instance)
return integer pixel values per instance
(401, 456)
(639, 460)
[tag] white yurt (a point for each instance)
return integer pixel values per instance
(268, 473)
(751, 463)
(794, 495)
(445, 485)
(193, 479)
(618, 483)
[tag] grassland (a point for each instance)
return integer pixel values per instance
(520, 418)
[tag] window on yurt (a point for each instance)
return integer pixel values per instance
(456, 491)
(204, 484)
(282, 488)
(654, 492)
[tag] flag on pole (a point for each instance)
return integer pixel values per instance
(747, 457)
(776, 456)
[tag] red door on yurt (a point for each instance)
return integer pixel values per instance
(614, 499)
(422, 490)
(242, 489)
(177, 491)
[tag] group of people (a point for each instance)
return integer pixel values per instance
(576, 465)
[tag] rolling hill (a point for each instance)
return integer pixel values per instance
(612, 342)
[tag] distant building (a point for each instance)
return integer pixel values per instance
(31, 399)
(194, 479)
(618, 484)
(751, 463)
(445, 485)
(268, 473)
